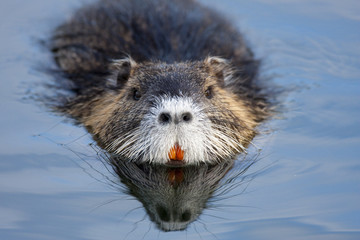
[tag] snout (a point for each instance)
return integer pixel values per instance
(175, 117)
(176, 131)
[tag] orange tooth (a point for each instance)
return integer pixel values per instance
(176, 153)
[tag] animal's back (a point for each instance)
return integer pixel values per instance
(157, 30)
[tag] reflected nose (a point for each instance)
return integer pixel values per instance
(186, 216)
(167, 118)
(163, 213)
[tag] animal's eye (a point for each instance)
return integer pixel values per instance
(209, 93)
(136, 94)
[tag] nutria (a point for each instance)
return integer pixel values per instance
(169, 82)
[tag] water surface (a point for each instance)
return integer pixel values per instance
(305, 183)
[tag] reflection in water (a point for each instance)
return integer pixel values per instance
(173, 197)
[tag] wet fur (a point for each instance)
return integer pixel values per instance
(146, 42)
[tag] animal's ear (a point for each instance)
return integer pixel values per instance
(220, 68)
(121, 69)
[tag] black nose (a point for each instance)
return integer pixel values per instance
(166, 118)
(186, 117)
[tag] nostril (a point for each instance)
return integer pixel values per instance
(186, 216)
(186, 117)
(164, 118)
(163, 213)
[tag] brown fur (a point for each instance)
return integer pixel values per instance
(93, 50)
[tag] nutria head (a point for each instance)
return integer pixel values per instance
(180, 113)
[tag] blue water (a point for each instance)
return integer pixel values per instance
(305, 183)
